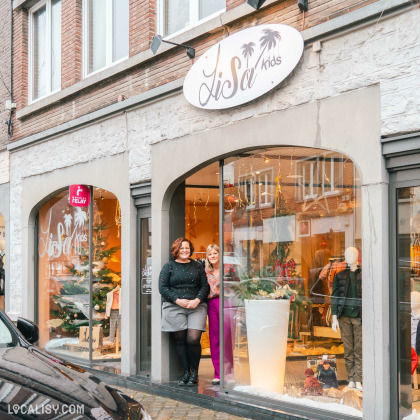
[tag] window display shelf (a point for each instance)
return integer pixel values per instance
(298, 357)
(326, 332)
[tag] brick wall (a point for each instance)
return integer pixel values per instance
(156, 72)
(20, 60)
(142, 25)
(5, 21)
(230, 4)
(71, 42)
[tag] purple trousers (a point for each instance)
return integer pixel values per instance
(213, 310)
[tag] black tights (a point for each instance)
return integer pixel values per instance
(188, 347)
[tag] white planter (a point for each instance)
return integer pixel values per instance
(267, 323)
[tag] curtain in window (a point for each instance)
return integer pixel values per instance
(177, 15)
(39, 70)
(120, 29)
(97, 35)
(208, 7)
(55, 45)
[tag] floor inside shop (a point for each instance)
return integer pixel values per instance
(292, 379)
(416, 400)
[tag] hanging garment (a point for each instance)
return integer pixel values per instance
(110, 299)
(414, 332)
(330, 270)
(114, 324)
(414, 361)
(2, 281)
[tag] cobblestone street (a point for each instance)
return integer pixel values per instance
(161, 408)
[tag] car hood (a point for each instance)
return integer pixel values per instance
(40, 380)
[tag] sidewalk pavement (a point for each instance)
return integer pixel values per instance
(161, 408)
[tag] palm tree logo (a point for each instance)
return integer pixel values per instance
(67, 223)
(247, 51)
(80, 218)
(268, 41)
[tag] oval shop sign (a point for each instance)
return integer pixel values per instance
(243, 66)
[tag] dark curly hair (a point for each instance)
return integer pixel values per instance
(176, 246)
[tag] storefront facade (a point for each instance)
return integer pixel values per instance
(144, 158)
(263, 134)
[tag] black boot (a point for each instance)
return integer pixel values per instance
(193, 379)
(184, 378)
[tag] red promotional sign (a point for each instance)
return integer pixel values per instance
(79, 195)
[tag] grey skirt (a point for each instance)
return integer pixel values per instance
(176, 318)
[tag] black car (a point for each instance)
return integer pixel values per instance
(36, 385)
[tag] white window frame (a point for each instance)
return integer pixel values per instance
(254, 180)
(194, 17)
(330, 190)
(265, 178)
(309, 193)
(49, 91)
(244, 181)
(109, 39)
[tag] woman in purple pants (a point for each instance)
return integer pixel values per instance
(213, 311)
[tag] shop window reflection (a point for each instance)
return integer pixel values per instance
(64, 299)
(288, 251)
(408, 258)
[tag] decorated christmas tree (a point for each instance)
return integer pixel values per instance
(279, 257)
(71, 306)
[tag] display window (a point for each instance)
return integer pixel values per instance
(291, 299)
(79, 310)
(408, 296)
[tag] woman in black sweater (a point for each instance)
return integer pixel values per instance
(184, 288)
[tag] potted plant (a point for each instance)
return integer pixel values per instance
(267, 307)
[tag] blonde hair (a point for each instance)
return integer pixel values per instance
(209, 266)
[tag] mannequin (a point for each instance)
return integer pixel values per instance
(346, 306)
(113, 311)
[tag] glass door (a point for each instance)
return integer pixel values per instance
(291, 220)
(144, 343)
(408, 297)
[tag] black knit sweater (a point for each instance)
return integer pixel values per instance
(183, 281)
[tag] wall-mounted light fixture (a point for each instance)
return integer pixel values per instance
(256, 4)
(9, 107)
(303, 5)
(158, 39)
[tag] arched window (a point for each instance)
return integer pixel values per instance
(78, 314)
(291, 242)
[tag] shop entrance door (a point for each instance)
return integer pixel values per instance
(144, 338)
(2, 262)
(405, 292)
(202, 229)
